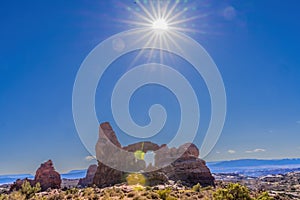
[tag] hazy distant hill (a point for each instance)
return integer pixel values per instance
(255, 167)
(254, 162)
(12, 177)
(74, 174)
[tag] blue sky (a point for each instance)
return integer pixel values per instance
(255, 45)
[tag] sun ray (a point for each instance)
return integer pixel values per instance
(176, 36)
(153, 10)
(172, 23)
(164, 10)
(171, 11)
(152, 50)
(146, 35)
(169, 42)
(170, 37)
(161, 45)
(165, 41)
(177, 15)
(161, 20)
(151, 39)
(189, 30)
(136, 23)
(145, 18)
(146, 11)
(159, 9)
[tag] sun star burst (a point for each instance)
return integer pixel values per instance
(161, 20)
(160, 24)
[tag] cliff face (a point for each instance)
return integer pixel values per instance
(185, 165)
(88, 179)
(105, 175)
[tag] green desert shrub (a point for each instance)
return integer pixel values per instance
(264, 196)
(233, 191)
(163, 194)
(28, 190)
(148, 188)
(171, 198)
(56, 196)
(39, 197)
(16, 195)
(88, 192)
(3, 197)
(207, 188)
(72, 191)
(138, 188)
(153, 195)
(197, 188)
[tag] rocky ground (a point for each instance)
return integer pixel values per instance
(281, 186)
(4, 188)
(170, 191)
(69, 183)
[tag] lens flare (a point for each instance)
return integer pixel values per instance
(140, 155)
(136, 179)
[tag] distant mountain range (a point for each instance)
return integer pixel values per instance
(255, 162)
(255, 167)
(74, 174)
(5, 179)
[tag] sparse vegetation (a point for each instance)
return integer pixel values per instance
(231, 191)
(163, 194)
(264, 196)
(197, 188)
(28, 190)
(138, 188)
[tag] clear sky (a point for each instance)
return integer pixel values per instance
(255, 45)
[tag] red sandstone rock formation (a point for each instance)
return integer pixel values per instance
(47, 176)
(142, 146)
(107, 176)
(88, 179)
(185, 164)
(188, 168)
(109, 133)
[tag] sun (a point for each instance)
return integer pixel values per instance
(160, 24)
(159, 15)
(161, 21)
